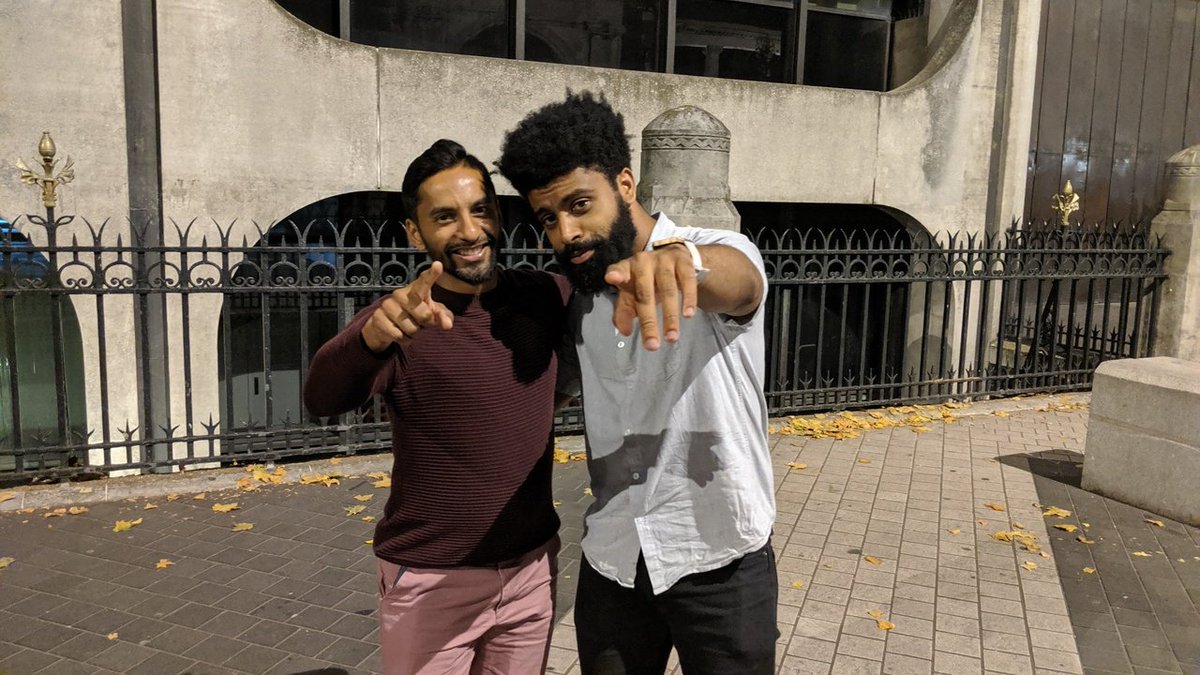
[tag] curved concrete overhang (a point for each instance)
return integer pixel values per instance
(263, 113)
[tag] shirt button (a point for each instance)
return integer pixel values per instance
(636, 475)
(621, 344)
(628, 431)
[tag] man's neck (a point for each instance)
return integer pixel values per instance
(644, 223)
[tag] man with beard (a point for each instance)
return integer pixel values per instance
(465, 360)
(677, 543)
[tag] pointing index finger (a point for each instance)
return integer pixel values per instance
(424, 282)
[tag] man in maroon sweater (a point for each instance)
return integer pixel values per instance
(464, 358)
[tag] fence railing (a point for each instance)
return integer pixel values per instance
(116, 354)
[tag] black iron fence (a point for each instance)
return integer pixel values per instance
(856, 318)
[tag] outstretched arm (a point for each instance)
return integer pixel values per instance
(667, 277)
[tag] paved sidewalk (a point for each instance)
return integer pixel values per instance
(893, 525)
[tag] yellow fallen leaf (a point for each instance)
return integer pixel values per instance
(383, 483)
(242, 527)
(885, 625)
(1043, 554)
(363, 498)
(226, 508)
(150, 507)
(921, 430)
(995, 507)
(56, 513)
(587, 491)
(872, 560)
(557, 503)
(1141, 554)
(246, 483)
(1086, 525)
(1056, 512)
(123, 525)
(29, 510)
(1084, 540)
(6, 496)
(875, 613)
(198, 497)
(1089, 570)
(1156, 523)
(320, 478)
(355, 510)
(163, 564)
(1066, 528)
(863, 460)
(335, 460)
(956, 531)
(112, 636)
(370, 542)
(368, 519)
(1018, 526)
(561, 456)
(797, 465)
(172, 498)
(377, 475)
(1029, 565)
(797, 584)
(982, 523)
(6, 561)
(1000, 413)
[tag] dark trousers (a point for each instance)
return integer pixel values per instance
(720, 622)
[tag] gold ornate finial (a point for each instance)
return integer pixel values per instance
(47, 180)
(1065, 203)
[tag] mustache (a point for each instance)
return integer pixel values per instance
(486, 240)
(577, 247)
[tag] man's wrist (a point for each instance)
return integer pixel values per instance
(692, 251)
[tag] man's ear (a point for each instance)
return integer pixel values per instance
(414, 235)
(626, 186)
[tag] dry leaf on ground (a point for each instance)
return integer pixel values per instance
(112, 636)
(994, 506)
(872, 559)
(955, 531)
(1084, 540)
(6, 496)
(226, 508)
(875, 613)
(587, 491)
(377, 475)
(1029, 565)
(1056, 512)
(797, 465)
(383, 483)
(355, 510)
(1089, 570)
(335, 460)
(863, 460)
(123, 525)
(172, 497)
(1156, 523)
(370, 542)
(363, 498)
(1141, 554)
(1066, 528)
(163, 564)
(885, 625)
(328, 480)
(797, 584)
(150, 507)
(1018, 526)
(371, 519)
(242, 527)
(56, 513)
(202, 495)
(6, 561)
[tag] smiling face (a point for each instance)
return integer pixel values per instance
(456, 222)
(588, 221)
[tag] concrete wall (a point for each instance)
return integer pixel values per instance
(262, 114)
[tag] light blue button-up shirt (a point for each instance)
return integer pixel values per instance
(676, 439)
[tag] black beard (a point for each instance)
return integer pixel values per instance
(474, 274)
(588, 277)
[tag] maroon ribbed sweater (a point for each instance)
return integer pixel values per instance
(472, 421)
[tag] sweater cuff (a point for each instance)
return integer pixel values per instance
(385, 354)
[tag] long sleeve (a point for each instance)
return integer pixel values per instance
(344, 373)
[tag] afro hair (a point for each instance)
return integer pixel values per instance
(581, 131)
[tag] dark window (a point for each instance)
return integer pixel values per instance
(737, 39)
(320, 14)
(475, 27)
(846, 51)
(606, 33)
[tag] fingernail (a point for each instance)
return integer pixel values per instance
(672, 335)
(689, 312)
(652, 344)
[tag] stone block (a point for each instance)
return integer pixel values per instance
(1143, 440)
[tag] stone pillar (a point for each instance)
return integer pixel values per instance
(1179, 223)
(685, 169)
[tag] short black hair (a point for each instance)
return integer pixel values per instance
(442, 155)
(581, 131)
